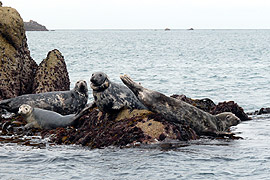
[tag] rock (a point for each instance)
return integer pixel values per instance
(205, 104)
(17, 67)
(97, 130)
(34, 26)
(230, 106)
(52, 74)
(209, 106)
(261, 111)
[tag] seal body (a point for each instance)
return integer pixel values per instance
(178, 111)
(63, 102)
(45, 119)
(111, 97)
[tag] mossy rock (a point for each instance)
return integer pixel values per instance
(52, 74)
(17, 67)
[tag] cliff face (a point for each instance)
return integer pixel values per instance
(17, 67)
(19, 73)
(34, 26)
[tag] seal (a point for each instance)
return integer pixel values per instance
(111, 97)
(45, 119)
(63, 102)
(177, 111)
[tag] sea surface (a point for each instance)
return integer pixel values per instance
(221, 65)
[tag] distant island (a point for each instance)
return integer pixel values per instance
(34, 26)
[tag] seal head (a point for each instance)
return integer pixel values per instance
(81, 87)
(111, 97)
(99, 81)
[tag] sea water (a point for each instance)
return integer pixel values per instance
(221, 65)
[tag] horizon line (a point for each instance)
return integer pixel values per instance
(170, 29)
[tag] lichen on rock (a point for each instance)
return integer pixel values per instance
(17, 67)
(52, 74)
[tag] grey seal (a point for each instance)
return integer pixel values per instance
(45, 119)
(178, 111)
(63, 102)
(111, 97)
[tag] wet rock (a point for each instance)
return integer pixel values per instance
(230, 106)
(17, 67)
(52, 74)
(209, 106)
(98, 130)
(205, 104)
(34, 26)
(261, 111)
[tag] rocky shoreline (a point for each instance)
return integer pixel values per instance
(19, 74)
(34, 26)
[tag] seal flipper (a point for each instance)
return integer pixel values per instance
(133, 86)
(4, 104)
(87, 107)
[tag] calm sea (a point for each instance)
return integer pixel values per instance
(218, 64)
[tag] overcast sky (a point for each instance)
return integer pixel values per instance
(145, 14)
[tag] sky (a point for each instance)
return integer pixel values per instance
(145, 14)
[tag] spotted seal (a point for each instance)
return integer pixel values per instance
(178, 111)
(63, 102)
(111, 97)
(45, 119)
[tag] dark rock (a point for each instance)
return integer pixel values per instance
(261, 111)
(230, 106)
(17, 67)
(98, 130)
(264, 111)
(52, 74)
(209, 106)
(203, 104)
(34, 26)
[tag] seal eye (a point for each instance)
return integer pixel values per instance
(100, 75)
(92, 74)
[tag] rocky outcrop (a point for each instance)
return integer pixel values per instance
(17, 67)
(52, 74)
(261, 111)
(19, 73)
(209, 106)
(34, 26)
(203, 104)
(98, 130)
(230, 106)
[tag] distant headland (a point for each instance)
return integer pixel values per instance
(34, 26)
